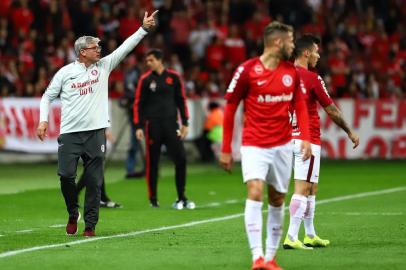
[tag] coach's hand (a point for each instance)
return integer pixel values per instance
(306, 150)
(42, 130)
(226, 161)
(139, 134)
(184, 130)
(354, 138)
(149, 21)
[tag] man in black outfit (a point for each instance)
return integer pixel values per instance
(159, 97)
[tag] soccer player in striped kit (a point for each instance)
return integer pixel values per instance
(83, 89)
(306, 173)
(268, 85)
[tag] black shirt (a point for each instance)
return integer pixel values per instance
(159, 97)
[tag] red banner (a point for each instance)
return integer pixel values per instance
(19, 119)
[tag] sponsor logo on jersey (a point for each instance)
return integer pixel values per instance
(152, 86)
(287, 80)
(270, 98)
(84, 84)
(261, 82)
(258, 69)
(233, 82)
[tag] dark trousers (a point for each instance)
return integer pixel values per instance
(90, 146)
(158, 133)
(82, 183)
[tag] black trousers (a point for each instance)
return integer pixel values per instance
(91, 147)
(82, 183)
(158, 133)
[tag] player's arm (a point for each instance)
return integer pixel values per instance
(181, 103)
(139, 104)
(331, 109)
(235, 92)
(302, 117)
(336, 115)
(51, 93)
(113, 59)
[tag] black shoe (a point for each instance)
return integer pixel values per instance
(154, 203)
(135, 174)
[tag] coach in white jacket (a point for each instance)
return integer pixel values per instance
(83, 89)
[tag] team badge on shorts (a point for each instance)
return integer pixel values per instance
(103, 148)
(287, 80)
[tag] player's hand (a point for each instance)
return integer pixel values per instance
(42, 130)
(139, 134)
(149, 21)
(226, 161)
(306, 150)
(110, 136)
(184, 130)
(354, 138)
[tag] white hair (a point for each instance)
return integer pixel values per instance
(83, 42)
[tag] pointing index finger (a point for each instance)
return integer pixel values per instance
(154, 13)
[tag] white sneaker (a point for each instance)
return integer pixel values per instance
(190, 205)
(180, 204)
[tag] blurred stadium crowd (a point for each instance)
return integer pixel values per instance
(363, 42)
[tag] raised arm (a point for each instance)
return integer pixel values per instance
(113, 59)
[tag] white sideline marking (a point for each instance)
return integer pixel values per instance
(365, 213)
(57, 226)
(231, 201)
(215, 204)
(361, 195)
(24, 231)
(189, 224)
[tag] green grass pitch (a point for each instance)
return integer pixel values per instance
(362, 211)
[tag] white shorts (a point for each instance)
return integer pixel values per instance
(272, 165)
(307, 170)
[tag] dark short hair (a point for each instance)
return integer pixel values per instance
(276, 28)
(157, 53)
(213, 105)
(303, 43)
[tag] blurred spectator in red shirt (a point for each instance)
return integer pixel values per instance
(129, 24)
(235, 46)
(215, 54)
(199, 38)
(339, 71)
(21, 17)
(181, 26)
